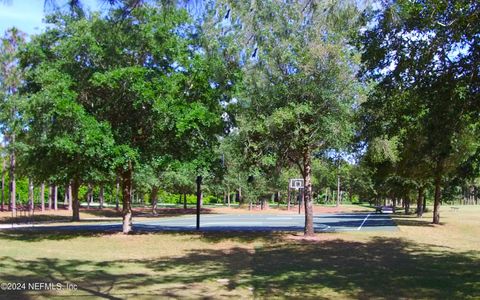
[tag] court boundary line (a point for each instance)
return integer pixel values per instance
(365, 220)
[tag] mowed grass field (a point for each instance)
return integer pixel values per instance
(420, 261)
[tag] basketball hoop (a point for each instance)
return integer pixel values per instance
(296, 184)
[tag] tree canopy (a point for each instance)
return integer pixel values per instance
(140, 75)
(377, 101)
(422, 58)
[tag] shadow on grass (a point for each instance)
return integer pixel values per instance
(31, 235)
(243, 236)
(412, 220)
(103, 212)
(386, 268)
(35, 235)
(35, 218)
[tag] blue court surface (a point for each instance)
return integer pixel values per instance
(247, 222)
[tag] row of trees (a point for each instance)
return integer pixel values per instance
(247, 95)
(422, 112)
(103, 96)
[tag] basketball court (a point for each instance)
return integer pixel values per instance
(244, 222)
(256, 222)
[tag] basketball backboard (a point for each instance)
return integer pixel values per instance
(296, 183)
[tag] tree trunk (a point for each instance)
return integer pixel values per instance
(13, 184)
(300, 200)
(89, 195)
(419, 202)
(75, 186)
(294, 198)
(42, 196)
(239, 197)
(126, 177)
(153, 196)
(55, 197)
(117, 192)
(338, 190)
(470, 194)
(4, 161)
(184, 200)
(436, 202)
(65, 196)
(50, 197)
(228, 198)
(101, 196)
(69, 191)
(475, 199)
(407, 204)
(30, 195)
(424, 203)
(307, 167)
(288, 198)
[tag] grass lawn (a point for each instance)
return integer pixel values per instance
(420, 261)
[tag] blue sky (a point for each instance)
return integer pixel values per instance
(27, 15)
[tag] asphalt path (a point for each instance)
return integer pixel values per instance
(243, 222)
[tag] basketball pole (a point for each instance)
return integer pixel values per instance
(199, 195)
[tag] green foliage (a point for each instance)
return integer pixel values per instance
(11, 76)
(110, 91)
(291, 93)
(157, 91)
(421, 54)
(64, 141)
